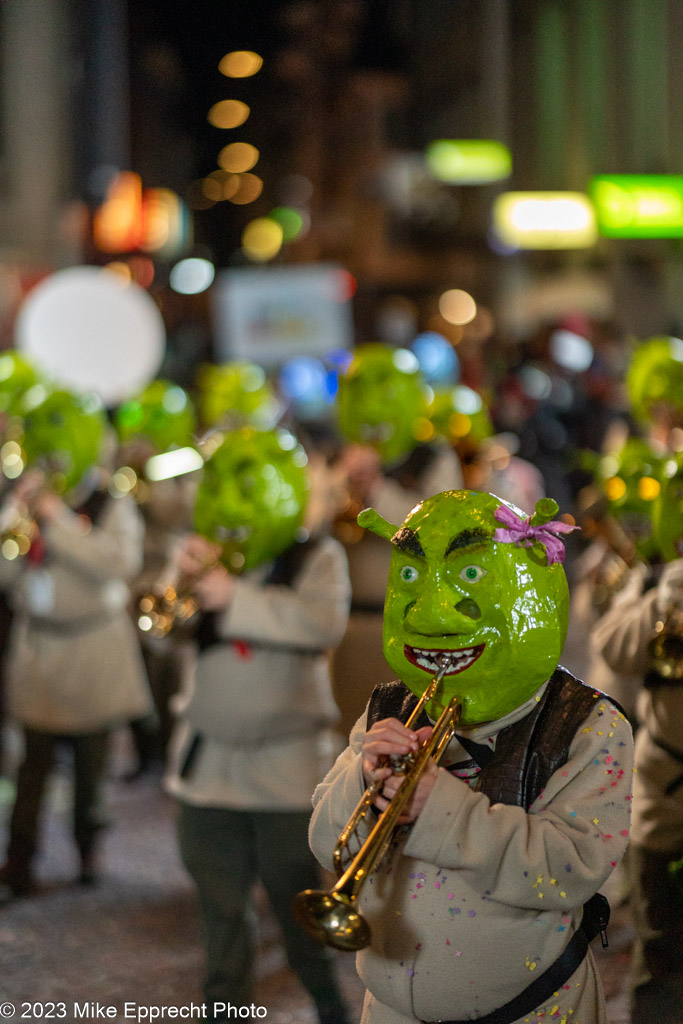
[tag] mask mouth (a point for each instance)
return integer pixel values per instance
(238, 534)
(427, 658)
(376, 432)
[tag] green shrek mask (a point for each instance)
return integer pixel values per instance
(63, 435)
(475, 580)
(252, 496)
(162, 414)
(382, 402)
(667, 512)
(237, 394)
(655, 379)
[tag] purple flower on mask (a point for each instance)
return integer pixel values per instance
(523, 534)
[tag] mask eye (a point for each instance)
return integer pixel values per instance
(472, 573)
(409, 574)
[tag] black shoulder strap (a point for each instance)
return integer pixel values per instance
(287, 566)
(529, 751)
(94, 504)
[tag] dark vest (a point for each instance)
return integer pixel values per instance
(529, 751)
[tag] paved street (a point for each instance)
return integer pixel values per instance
(136, 936)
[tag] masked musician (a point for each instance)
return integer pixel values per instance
(476, 910)
(391, 463)
(74, 671)
(255, 733)
(160, 419)
(17, 375)
(642, 633)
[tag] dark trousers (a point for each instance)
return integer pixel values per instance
(89, 763)
(225, 851)
(657, 963)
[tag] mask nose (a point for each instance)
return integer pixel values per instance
(440, 611)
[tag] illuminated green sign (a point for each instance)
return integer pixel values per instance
(469, 161)
(639, 205)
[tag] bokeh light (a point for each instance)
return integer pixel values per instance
(240, 64)
(438, 362)
(262, 239)
(228, 114)
(191, 276)
(290, 220)
(571, 351)
(249, 188)
(457, 306)
(238, 157)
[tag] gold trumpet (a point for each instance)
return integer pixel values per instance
(332, 917)
(165, 609)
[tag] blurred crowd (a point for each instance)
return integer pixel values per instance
(188, 567)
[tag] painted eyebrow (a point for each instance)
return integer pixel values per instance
(406, 539)
(468, 539)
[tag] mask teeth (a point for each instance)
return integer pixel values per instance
(459, 660)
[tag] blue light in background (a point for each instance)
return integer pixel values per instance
(437, 358)
(305, 380)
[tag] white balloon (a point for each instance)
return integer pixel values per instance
(92, 331)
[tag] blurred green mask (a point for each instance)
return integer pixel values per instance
(496, 610)
(667, 511)
(460, 415)
(17, 375)
(252, 496)
(63, 434)
(655, 377)
(161, 414)
(235, 394)
(630, 479)
(382, 402)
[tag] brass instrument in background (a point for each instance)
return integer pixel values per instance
(18, 530)
(665, 649)
(332, 916)
(165, 609)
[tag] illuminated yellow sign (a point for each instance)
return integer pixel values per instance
(639, 205)
(544, 220)
(469, 161)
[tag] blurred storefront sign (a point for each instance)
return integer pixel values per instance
(544, 220)
(638, 205)
(469, 161)
(270, 315)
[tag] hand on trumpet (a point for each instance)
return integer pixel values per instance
(389, 740)
(34, 493)
(197, 559)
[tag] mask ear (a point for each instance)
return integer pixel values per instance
(373, 521)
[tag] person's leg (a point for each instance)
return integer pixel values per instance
(286, 866)
(39, 748)
(657, 960)
(217, 848)
(90, 766)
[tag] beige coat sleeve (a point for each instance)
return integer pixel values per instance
(111, 549)
(336, 797)
(621, 636)
(311, 614)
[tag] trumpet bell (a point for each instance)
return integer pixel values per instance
(331, 918)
